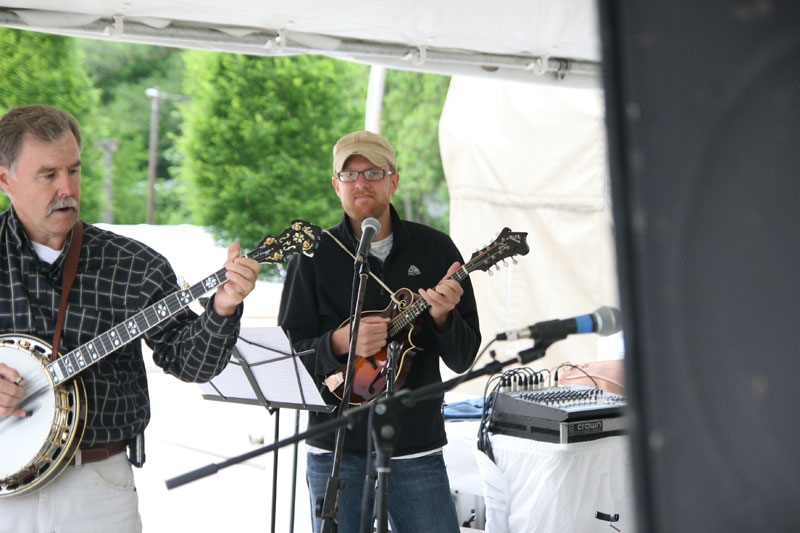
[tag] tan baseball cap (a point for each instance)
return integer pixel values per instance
(371, 145)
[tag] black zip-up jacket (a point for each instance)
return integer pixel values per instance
(316, 300)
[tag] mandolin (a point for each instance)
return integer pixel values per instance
(405, 313)
(36, 449)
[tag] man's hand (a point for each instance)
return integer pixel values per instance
(443, 298)
(372, 334)
(242, 275)
(12, 390)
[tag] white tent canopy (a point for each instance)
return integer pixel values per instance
(528, 40)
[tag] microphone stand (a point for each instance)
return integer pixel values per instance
(537, 351)
(384, 434)
(329, 507)
(400, 401)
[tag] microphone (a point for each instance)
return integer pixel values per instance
(604, 321)
(369, 228)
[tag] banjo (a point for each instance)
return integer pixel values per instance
(37, 448)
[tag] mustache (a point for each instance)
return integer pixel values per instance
(61, 203)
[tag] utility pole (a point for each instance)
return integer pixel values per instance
(152, 163)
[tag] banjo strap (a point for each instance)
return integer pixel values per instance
(70, 269)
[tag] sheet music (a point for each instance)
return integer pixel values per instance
(265, 351)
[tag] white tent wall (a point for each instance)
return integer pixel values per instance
(533, 158)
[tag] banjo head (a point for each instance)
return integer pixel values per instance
(37, 448)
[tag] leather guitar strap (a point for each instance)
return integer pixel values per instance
(68, 276)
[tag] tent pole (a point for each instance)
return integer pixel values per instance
(377, 82)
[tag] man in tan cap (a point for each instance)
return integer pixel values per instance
(315, 304)
(364, 151)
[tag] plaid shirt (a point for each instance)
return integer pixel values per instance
(117, 277)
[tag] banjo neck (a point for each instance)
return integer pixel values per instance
(85, 355)
(299, 237)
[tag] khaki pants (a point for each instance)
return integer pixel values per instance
(92, 498)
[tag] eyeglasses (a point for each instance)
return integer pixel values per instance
(369, 175)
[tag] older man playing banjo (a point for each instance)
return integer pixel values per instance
(62, 467)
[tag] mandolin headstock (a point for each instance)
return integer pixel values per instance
(507, 244)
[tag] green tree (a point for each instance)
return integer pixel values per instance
(37, 68)
(122, 72)
(257, 139)
(412, 105)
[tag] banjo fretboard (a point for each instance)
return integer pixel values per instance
(300, 237)
(71, 363)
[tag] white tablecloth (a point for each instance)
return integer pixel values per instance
(547, 487)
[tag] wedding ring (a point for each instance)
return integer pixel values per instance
(18, 380)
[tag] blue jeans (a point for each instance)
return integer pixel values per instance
(419, 493)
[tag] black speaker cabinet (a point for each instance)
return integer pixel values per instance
(703, 116)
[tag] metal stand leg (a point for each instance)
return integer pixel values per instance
(294, 470)
(383, 465)
(384, 434)
(275, 468)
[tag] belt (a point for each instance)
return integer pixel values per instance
(92, 455)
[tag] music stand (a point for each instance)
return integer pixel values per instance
(265, 371)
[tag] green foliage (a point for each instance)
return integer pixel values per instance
(251, 149)
(37, 68)
(257, 140)
(122, 72)
(412, 106)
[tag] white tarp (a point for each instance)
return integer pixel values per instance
(530, 40)
(563, 487)
(533, 158)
